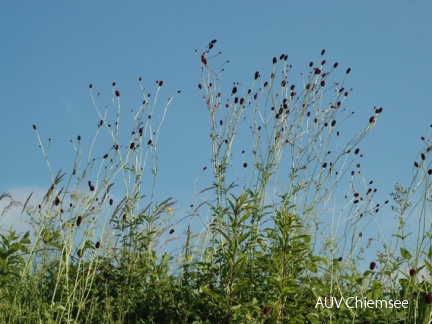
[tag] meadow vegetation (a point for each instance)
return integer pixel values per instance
(286, 225)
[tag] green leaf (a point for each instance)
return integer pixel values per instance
(245, 216)
(240, 285)
(3, 266)
(428, 266)
(312, 267)
(25, 239)
(209, 292)
(405, 253)
(402, 237)
(243, 237)
(285, 290)
(367, 273)
(226, 237)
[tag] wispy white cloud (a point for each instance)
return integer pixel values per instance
(11, 208)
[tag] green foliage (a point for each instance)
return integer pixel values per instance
(278, 247)
(11, 260)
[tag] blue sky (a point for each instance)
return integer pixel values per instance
(52, 52)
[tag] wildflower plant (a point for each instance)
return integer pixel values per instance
(288, 220)
(299, 164)
(83, 233)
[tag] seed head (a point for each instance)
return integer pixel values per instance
(203, 60)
